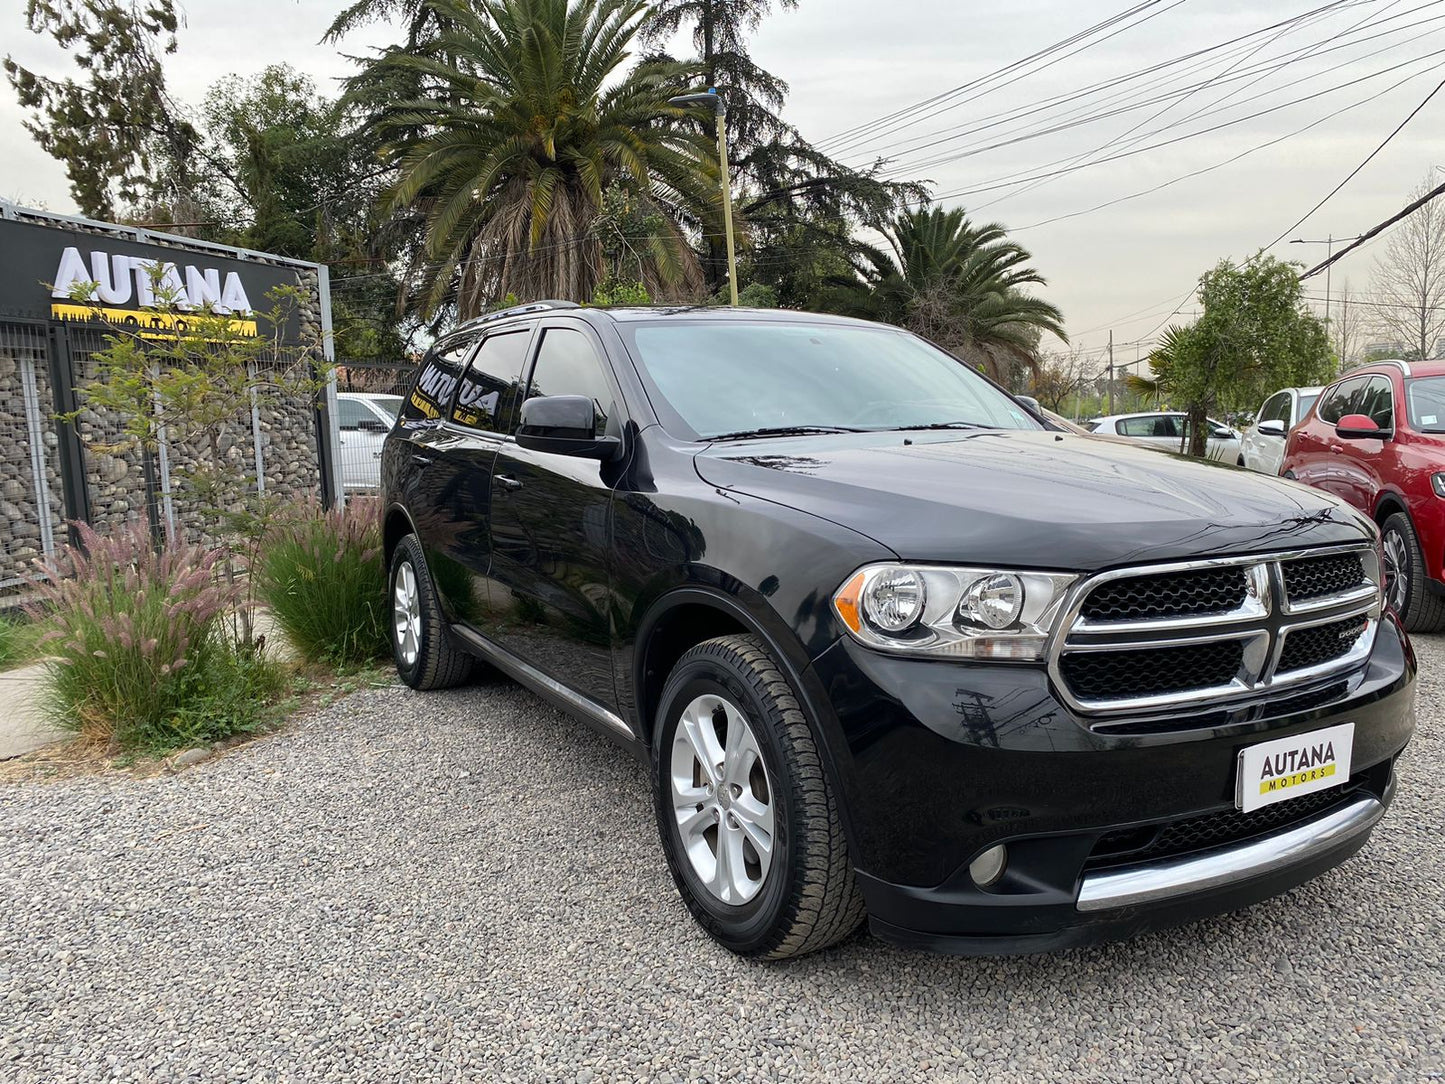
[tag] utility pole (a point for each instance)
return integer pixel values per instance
(1329, 243)
(1111, 372)
(714, 101)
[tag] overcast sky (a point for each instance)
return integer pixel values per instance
(849, 62)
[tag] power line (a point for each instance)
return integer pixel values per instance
(851, 137)
(1022, 179)
(1375, 231)
(1063, 122)
(1285, 233)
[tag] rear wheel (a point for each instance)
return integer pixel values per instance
(747, 818)
(1406, 589)
(421, 644)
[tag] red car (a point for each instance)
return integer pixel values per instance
(1376, 438)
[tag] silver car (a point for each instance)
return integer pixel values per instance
(1263, 444)
(363, 420)
(1167, 429)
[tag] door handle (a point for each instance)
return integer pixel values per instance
(506, 481)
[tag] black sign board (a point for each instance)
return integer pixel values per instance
(41, 264)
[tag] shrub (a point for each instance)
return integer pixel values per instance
(139, 658)
(321, 575)
(14, 644)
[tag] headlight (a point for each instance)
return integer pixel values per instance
(946, 612)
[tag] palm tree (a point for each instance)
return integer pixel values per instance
(960, 285)
(522, 123)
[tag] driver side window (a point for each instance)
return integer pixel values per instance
(1337, 400)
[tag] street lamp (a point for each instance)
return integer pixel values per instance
(713, 99)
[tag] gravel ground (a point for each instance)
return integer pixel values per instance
(466, 886)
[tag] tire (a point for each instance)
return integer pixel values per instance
(421, 644)
(801, 896)
(1406, 589)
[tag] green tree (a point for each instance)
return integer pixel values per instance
(1254, 336)
(801, 207)
(117, 129)
(285, 174)
(960, 285)
(525, 118)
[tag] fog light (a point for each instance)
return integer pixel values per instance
(988, 867)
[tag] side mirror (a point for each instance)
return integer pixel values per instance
(1223, 432)
(1272, 427)
(564, 425)
(1361, 427)
(1030, 402)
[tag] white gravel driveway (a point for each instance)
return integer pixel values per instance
(466, 886)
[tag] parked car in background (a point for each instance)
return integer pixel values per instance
(1262, 447)
(1166, 429)
(889, 646)
(1376, 439)
(363, 419)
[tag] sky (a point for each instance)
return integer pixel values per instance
(1113, 259)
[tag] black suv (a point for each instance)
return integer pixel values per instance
(891, 644)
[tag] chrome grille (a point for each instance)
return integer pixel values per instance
(1318, 644)
(1199, 632)
(1191, 594)
(1317, 577)
(1101, 675)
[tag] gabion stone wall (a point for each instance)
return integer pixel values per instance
(30, 515)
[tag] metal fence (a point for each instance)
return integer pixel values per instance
(53, 474)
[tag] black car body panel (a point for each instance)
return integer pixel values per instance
(595, 573)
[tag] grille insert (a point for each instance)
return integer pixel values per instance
(1316, 577)
(1152, 843)
(1193, 593)
(1319, 644)
(1122, 675)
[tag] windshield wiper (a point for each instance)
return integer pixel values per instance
(787, 431)
(939, 425)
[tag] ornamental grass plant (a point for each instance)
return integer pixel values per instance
(320, 573)
(139, 657)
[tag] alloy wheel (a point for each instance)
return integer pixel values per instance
(406, 613)
(1397, 571)
(722, 799)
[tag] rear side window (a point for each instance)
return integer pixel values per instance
(568, 365)
(1153, 425)
(1377, 402)
(1336, 402)
(438, 378)
(487, 398)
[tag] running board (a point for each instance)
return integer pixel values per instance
(541, 684)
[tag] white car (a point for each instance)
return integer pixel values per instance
(364, 420)
(1166, 429)
(1263, 444)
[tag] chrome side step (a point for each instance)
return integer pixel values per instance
(1156, 881)
(540, 683)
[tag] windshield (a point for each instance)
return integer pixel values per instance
(389, 403)
(733, 378)
(1425, 402)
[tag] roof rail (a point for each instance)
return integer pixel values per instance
(1404, 365)
(520, 310)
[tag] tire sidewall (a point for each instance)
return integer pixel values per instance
(748, 927)
(1399, 525)
(406, 553)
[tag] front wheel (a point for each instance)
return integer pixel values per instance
(748, 821)
(421, 644)
(1406, 589)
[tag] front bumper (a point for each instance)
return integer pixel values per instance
(937, 762)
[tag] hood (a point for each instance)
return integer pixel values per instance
(1030, 499)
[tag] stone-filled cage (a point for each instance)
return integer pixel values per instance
(54, 473)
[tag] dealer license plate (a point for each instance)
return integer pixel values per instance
(1276, 771)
